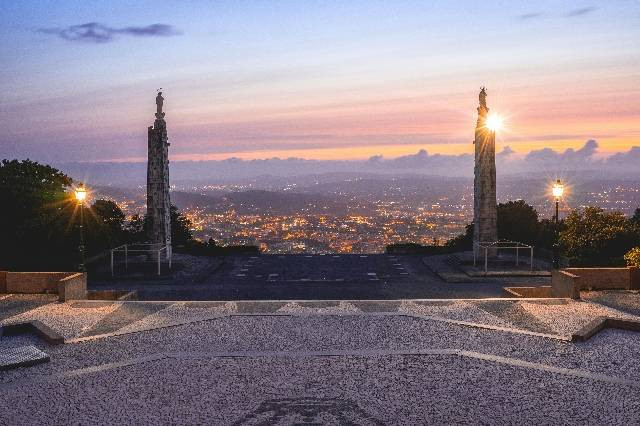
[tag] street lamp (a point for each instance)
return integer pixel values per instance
(557, 191)
(81, 194)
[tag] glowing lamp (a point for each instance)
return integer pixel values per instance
(558, 189)
(81, 193)
(494, 122)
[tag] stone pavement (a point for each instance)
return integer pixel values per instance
(95, 319)
(306, 277)
(329, 362)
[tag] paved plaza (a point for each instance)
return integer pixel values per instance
(324, 362)
(308, 277)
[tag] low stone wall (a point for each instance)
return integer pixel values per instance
(3, 281)
(68, 285)
(525, 292)
(569, 281)
(602, 278)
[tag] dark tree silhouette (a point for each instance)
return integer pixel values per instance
(517, 221)
(37, 223)
(105, 226)
(180, 228)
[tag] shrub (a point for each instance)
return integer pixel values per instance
(633, 257)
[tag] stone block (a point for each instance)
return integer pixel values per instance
(73, 287)
(563, 284)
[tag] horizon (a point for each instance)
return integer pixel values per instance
(308, 83)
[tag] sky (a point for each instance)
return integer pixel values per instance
(320, 80)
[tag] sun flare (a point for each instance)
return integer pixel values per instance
(494, 122)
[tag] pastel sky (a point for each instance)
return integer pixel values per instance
(314, 79)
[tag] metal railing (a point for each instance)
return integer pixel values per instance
(139, 248)
(501, 245)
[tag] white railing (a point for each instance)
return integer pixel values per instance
(502, 245)
(151, 248)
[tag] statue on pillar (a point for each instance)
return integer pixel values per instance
(159, 103)
(483, 97)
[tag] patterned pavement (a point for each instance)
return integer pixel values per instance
(323, 362)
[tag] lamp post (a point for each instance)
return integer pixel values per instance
(81, 194)
(557, 190)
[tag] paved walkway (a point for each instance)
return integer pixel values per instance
(328, 369)
(324, 362)
(307, 277)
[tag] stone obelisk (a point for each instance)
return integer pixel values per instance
(485, 211)
(158, 201)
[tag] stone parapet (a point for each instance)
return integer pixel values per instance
(68, 285)
(569, 281)
(602, 278)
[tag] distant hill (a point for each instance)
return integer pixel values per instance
(283, 202)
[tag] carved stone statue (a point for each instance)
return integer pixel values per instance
(483, 97)
(159, 102)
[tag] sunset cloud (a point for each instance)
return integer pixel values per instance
(580, 12)
(94, 32)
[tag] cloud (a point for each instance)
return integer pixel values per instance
(531, 15)
(540, 162)
(506, 152)
(625, 160)
(580, 12)
(578, 158)
(421, 161)
(94, 32)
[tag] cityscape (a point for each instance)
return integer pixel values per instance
(319, 213)
(358, 215)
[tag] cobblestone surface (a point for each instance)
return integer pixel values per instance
(376, 389)
(94, 318)
(328, 362)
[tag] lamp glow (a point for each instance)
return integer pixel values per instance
(494, 122)
(558, 189)
(81, 193)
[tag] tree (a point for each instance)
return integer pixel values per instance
(38, 224)
(180, 228)
(517, 221)
(136, 229)
(635, 219)
(463, 241)
(105, 226)
(593, 237)
(548, 233)
(633, 257)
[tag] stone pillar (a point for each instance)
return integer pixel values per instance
(158, 200)
(485, 209)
